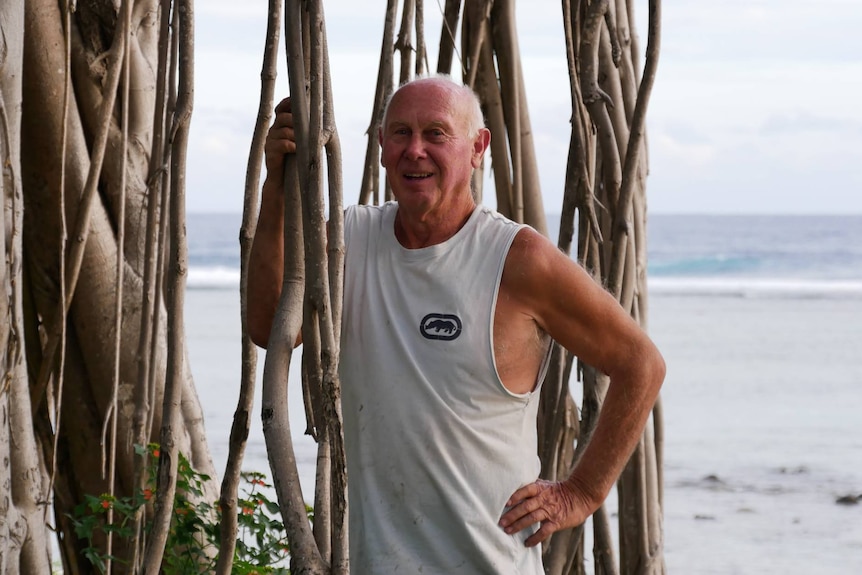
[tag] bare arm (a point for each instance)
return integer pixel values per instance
(266, 263)
(561, 297)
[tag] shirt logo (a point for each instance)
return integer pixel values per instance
(440, 326)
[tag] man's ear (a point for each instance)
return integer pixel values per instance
(480, 144)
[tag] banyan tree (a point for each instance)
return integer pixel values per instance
(96, 101)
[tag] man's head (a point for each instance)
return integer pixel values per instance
(432, 137)
(474, 119)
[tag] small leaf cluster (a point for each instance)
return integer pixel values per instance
(193, 539)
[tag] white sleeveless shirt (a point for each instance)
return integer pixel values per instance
(435, 443)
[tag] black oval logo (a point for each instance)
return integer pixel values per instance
(440, 326)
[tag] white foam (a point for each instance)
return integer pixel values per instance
(756, 287)
(221, 277)
(213, 278)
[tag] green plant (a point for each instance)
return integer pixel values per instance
(194, 533)
(259, 549)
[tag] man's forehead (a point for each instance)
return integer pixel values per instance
(430, 103)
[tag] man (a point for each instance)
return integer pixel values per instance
(448, 311)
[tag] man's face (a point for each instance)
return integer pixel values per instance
(427, 153)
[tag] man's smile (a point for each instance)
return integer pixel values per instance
(418, 175)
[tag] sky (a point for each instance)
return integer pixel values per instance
(755, 107)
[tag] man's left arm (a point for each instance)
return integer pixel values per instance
(585, 319)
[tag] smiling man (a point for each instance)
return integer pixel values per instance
(449, 309)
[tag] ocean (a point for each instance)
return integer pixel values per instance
(760, 322)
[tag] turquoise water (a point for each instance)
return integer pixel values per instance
(720, 255)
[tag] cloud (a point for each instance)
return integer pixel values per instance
(755, 174)
(682, 152)
(741, 30)
(804, 121)
(755, 106)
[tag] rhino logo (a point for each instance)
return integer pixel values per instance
(440, 326)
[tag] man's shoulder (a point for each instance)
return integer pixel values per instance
(364, 214)
(533, 259)
(371, 209)
(366, 221)
(496, 217)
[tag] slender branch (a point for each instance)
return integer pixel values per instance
(480, 36)
(241, 419)
(578, 188)
(503, 31)
(489, 92)
(404, 43)
(447, 37)
(112, 414)
(369, 189)
(316, 309)
(150, 305)
(624, 204)
(167, 472)
(335, 256)
(165, 211)
(64, 137)
(596, 100)
(142, 404)
(287, 321)
(319, 289)
(421, 51)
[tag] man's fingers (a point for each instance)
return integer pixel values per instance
(280, 141)
(285, 133)
(282, 120)
(545, 531)
(526, 509)
(528, 514)
(525, 492)
(283, 106)
(545, 503)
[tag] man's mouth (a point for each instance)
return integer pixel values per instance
(418, 175)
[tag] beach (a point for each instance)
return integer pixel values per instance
(762, 410)
(762, 406)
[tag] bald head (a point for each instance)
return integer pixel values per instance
(469, 108)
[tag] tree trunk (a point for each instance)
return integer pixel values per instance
(86, 167)
(23, 480)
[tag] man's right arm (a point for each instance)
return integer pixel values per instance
(266, 263)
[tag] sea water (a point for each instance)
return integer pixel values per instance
(760, 321)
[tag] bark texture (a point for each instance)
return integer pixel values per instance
(85, 99)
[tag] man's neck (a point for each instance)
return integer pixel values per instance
(414, 231)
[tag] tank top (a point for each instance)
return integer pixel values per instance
(435, 443)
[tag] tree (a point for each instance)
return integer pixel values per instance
(95, 345)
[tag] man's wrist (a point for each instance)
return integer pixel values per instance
(585, 490)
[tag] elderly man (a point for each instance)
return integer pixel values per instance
(448, 313)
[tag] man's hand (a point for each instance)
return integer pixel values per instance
(554, 505)
(280, 140)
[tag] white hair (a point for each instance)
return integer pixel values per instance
(475, 118)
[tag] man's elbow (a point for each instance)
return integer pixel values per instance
(656, 369)
(258, 331)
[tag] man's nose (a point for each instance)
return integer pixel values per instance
(415, 147)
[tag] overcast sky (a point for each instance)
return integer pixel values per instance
(755, 108)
